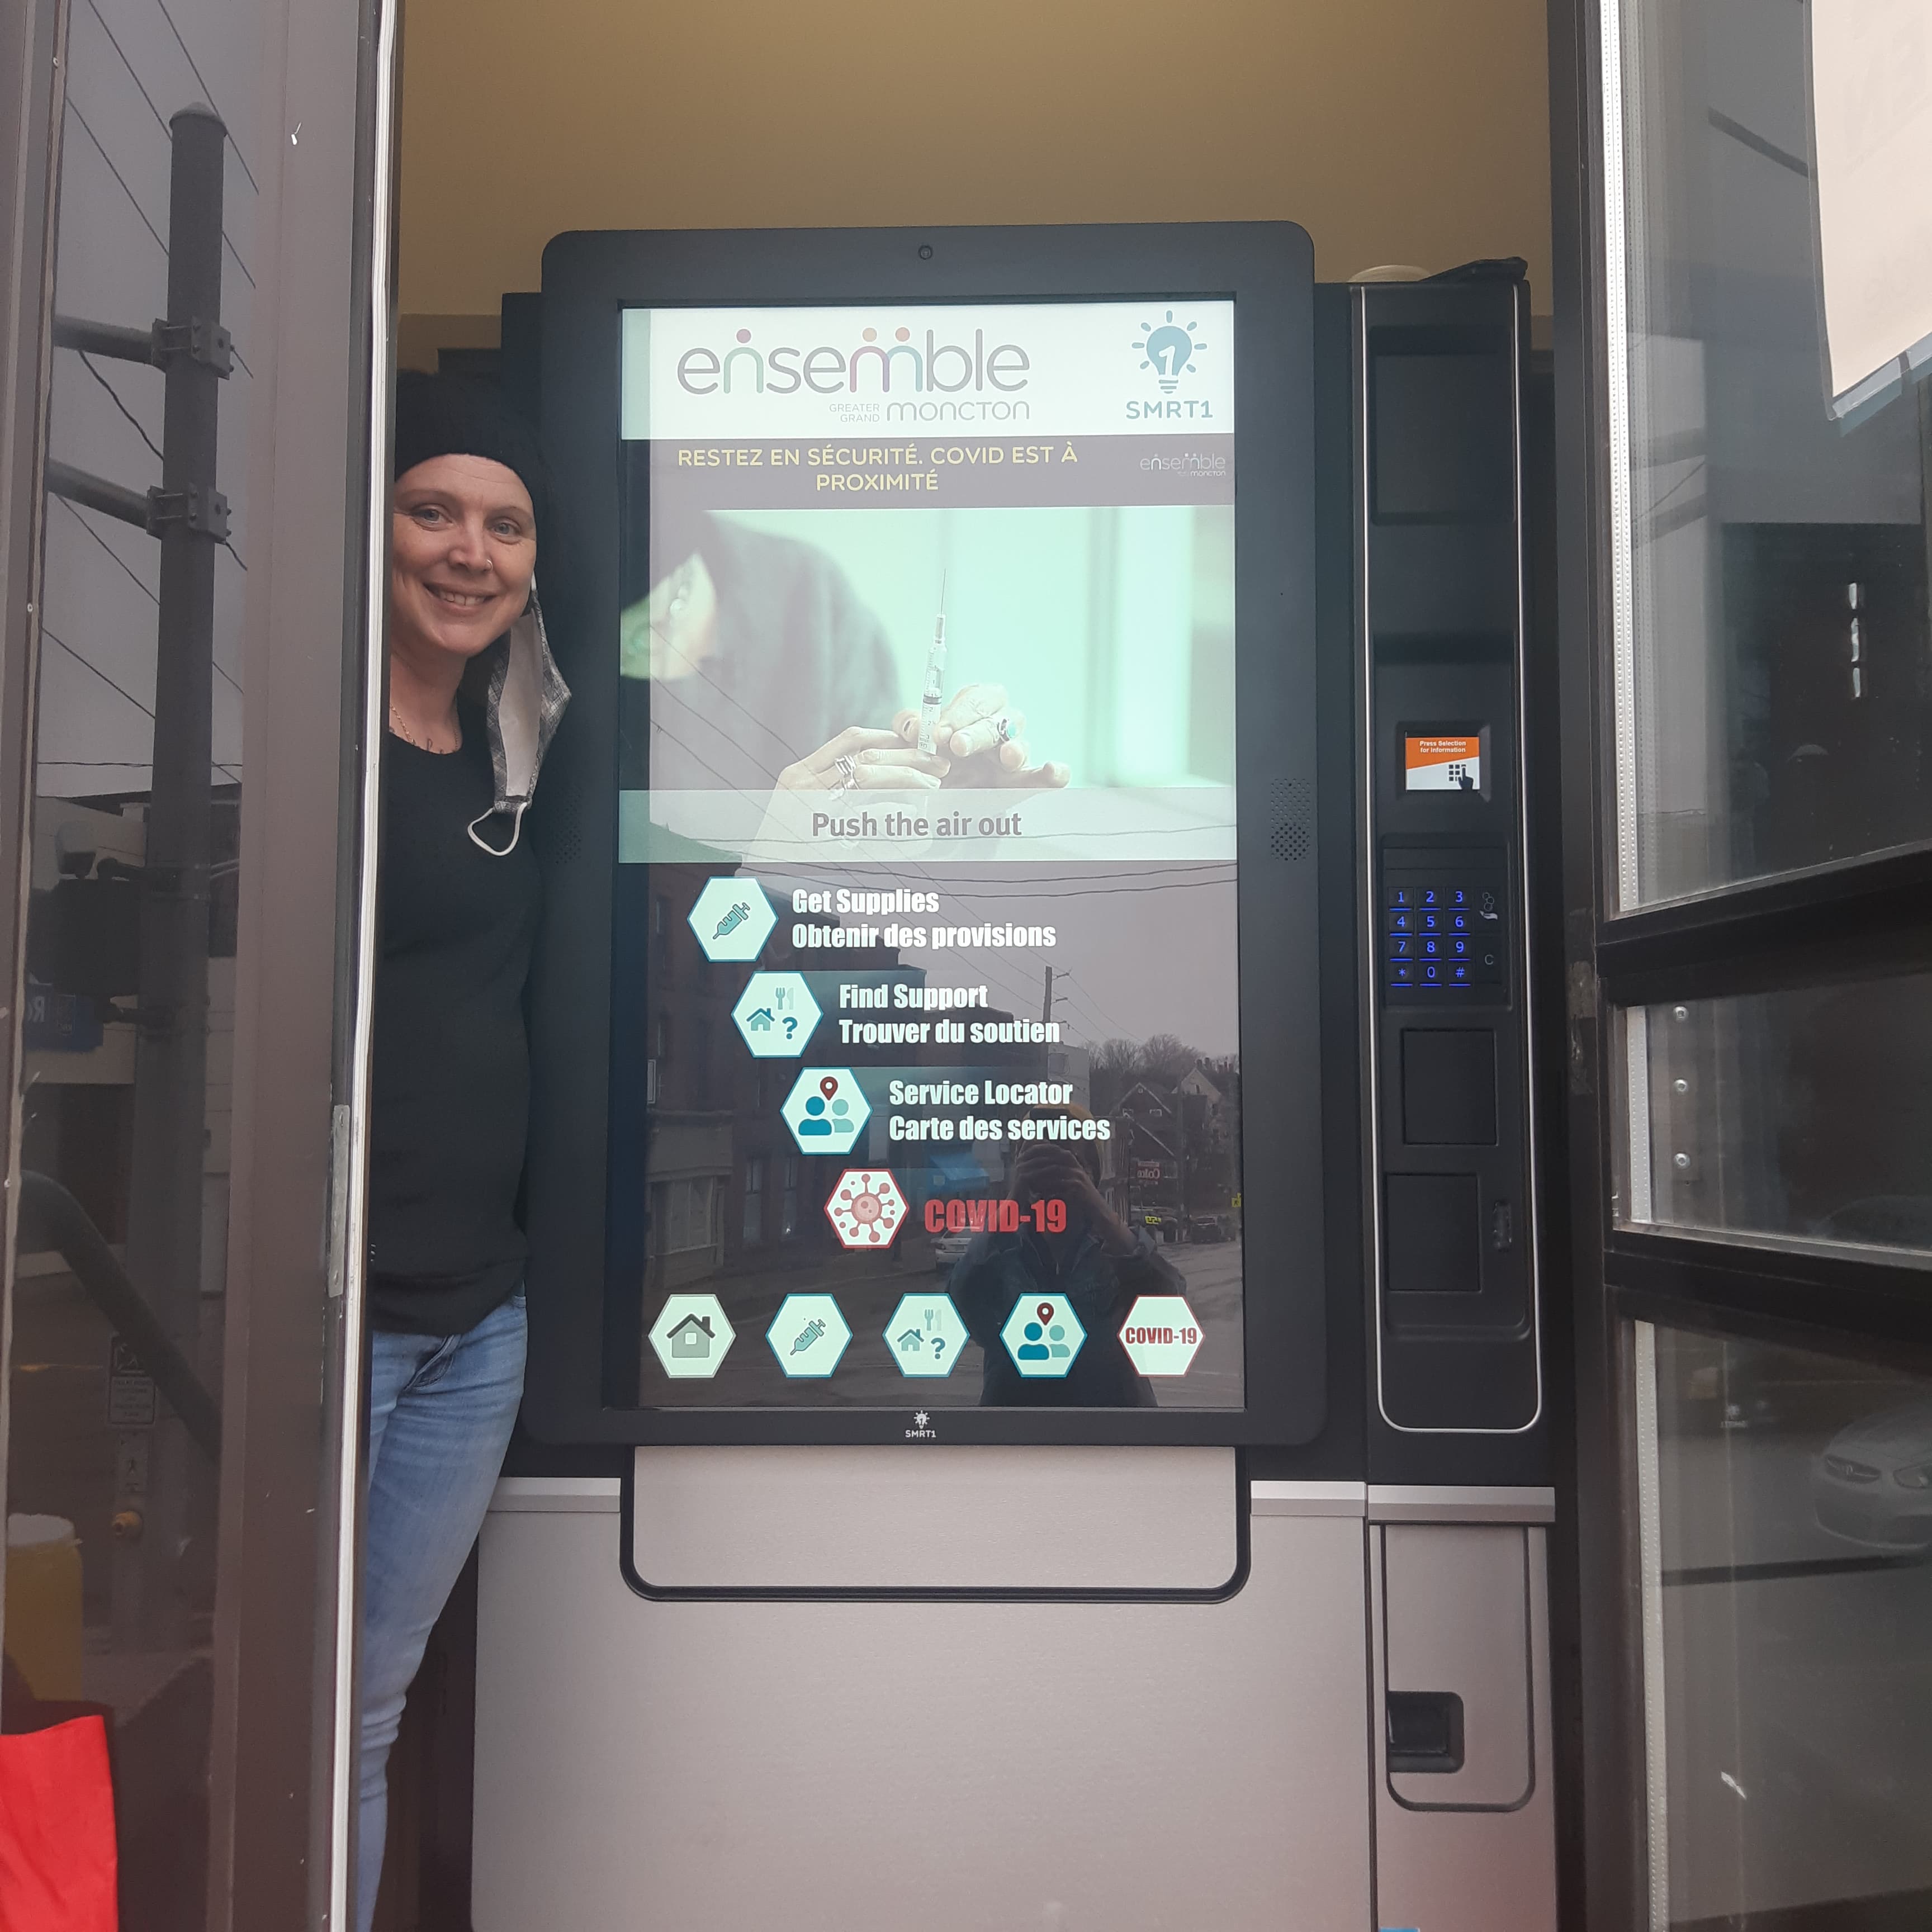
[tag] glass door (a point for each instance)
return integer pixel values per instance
(183, 675)
(1748, 741)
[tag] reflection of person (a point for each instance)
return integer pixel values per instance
(1099, 1266)
(473, 700)
(750, 664)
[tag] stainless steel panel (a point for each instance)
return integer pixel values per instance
(1306, 1499)
(961, 1517)
(818, 1767)
(1476, 1859)
(1452, 1502)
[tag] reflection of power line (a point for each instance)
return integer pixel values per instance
(160, 122)
(698, 757)
(1158, 866)
(135, 580)
(1102, 892)
(88, 663)
(161, 119)
(207, 94)
(976, 960)
(116, 173)
(1098, 1018)
(87, 363)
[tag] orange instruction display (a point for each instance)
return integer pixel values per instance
(1444, 763)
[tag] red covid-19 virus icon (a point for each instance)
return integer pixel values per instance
(866, 1207)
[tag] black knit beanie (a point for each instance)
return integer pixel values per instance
(455, 415)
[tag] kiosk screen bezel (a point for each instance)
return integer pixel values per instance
(581, 1338)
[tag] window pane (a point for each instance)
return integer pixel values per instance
(1773, 694)
(120, 1293)
(1805, 1114)
(1786, 1527)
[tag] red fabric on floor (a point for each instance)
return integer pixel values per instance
(57, 1855)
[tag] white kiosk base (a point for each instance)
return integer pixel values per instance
(960, 1766)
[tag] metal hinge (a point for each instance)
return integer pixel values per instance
(335, 1236)
(1581, 1002)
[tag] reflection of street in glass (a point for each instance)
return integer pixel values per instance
(1872, 1483)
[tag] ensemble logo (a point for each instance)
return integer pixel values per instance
(1169, 351)
(941, 368)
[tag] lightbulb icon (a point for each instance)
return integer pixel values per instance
(1169, 351)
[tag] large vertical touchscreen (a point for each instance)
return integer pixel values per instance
(927, 1077)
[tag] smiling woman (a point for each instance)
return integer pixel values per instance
(463, 553)
(473, 698)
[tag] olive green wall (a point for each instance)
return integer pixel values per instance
(1393, 130)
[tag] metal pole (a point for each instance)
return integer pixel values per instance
(164, 1214)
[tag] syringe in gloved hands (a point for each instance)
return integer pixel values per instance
(932, 699)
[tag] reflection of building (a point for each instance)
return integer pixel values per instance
(730, 1192)
(1178, 1151)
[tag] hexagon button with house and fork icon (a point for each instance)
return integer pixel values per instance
(777, 1015)
(691, 1336)
(926, 1335)
(733, 919)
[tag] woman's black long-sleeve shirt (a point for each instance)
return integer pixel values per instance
(451, 1075)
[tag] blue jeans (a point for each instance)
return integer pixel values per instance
(440, 1412)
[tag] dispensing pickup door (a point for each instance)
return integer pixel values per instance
(1464, 1824)
(1456, 1644)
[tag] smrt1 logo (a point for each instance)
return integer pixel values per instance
(1169, 351)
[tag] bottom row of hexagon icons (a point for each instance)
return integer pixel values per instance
(692, 1334)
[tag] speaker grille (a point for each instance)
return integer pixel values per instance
(1291, 803)
(566, 835)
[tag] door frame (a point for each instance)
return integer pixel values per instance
(282, 1755)
(1739, 940)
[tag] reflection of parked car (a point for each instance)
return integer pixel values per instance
(1872, 1480)
(948, 1247)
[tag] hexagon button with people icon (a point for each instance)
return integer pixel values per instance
(1042, 1335)
(826, 1111)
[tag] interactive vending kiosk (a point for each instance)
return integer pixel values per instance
(1033, 1234)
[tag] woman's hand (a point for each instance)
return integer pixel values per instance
(861, 759)
(983, 740)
